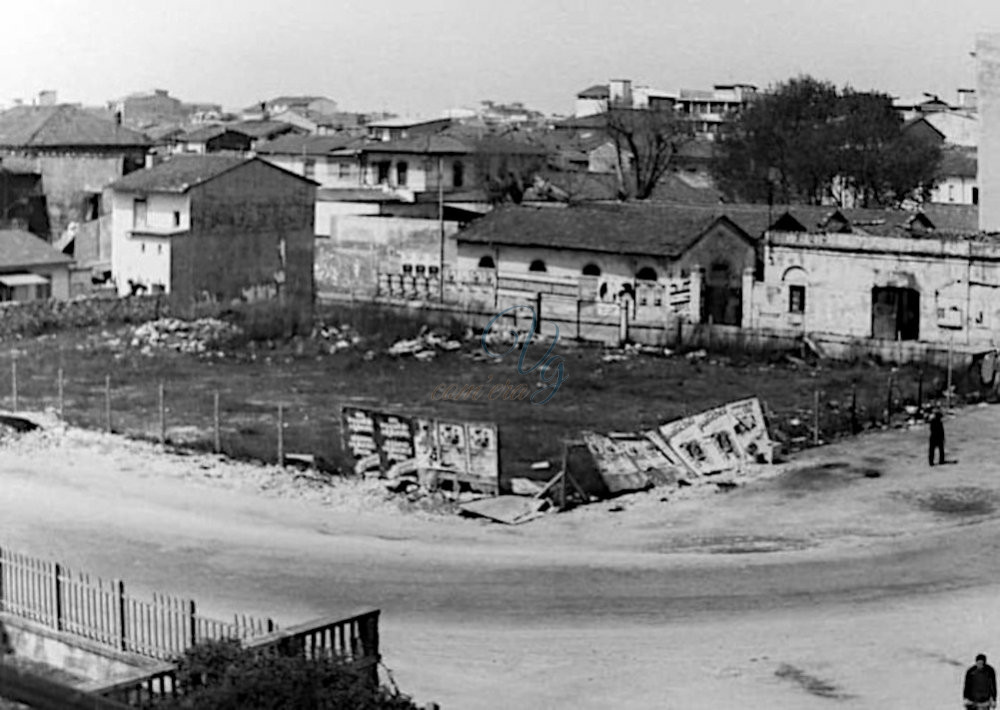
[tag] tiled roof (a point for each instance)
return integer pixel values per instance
(355, 194)
(405, 122)
(182, 172)
(203, 134)
(61, 126)
(261, 129)
(953, 218)
(309, 144)
(457, 143)
(597, 91)
(620, 229)
(19, 248)
(178, 174)
(294, 100)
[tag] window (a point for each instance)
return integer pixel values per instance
(591, 270)
(951, 193)
(309, 168)
(975, 195)
(343, 170)
(797, 299)
(139, 213)
(382, 172)
(177, 219)
(487, 263)
(401, 168)
(457, 174)
(646, 274)
(537, 265)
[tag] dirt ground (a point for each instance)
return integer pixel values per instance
(853, 575)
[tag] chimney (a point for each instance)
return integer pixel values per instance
(967, 99)
(47, 98)
(988, 98)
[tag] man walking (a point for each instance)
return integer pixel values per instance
(980, 690)
(937, 439)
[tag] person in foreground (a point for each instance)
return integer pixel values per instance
(980, 690)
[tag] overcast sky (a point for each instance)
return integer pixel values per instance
(419, 57)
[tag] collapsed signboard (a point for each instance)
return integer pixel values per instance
(719, 440)
(394, 445)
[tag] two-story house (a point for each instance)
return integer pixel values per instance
(215, 228)
(76, 152)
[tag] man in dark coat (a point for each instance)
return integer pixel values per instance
(937, 439)
(980, 690)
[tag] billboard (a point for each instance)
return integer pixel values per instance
(393, 445)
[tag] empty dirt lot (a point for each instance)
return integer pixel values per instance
(854, 576)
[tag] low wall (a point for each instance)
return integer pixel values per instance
(600, 328)
(76, 656)
(34, 317)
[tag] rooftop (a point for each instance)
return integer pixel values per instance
(620, 229)
(182, 172)
(63, 125)
(310, 144)
(19, 249)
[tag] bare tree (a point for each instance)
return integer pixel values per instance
(647, 142)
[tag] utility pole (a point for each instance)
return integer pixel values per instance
(440, 172)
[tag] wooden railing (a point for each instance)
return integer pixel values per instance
(354, 639)
(50, 594)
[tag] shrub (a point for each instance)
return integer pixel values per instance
(222, 675)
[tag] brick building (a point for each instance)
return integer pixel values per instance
(213, 228)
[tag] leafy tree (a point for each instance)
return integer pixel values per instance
(222, 675)
(799, 141)
(646, 142)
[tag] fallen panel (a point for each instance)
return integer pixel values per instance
(505, 509)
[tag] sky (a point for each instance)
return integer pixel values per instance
(420, 57)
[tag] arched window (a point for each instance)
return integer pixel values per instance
(591, 270)
(537, 265)
(457, 174)
(487, 263)
(646, 274)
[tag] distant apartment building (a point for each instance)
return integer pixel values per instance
(707, 109)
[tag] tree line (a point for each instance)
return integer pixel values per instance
(803, 141)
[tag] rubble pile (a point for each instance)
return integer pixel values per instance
(196, 336)
(337, 338)
(633, 350)
(425, 346)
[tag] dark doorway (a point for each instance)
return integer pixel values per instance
(895, 313)
(722, 301)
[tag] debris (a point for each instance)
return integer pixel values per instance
(540, 466)
(195, 336)
(300, 460)
(526, 486)
(511, 510)
(697, 355)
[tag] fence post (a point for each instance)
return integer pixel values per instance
(192, 622)
(920, 391)
(854, 408)
(281, 435)
(163, 415)
(13, 380)
(59, 377)
(816, 417)
(218, 432)
(107, 403)
(538, 310)
(888, 407)
(56, 574)
(578, 302)
(122, 628)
